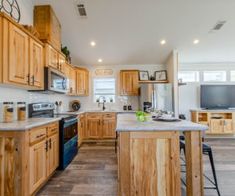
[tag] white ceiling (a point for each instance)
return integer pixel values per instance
(129, 31)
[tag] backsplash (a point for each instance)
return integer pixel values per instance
(87, 103)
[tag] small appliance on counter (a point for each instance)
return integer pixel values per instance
(68, 134)
(75, 105)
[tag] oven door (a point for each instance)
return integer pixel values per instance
(57, 81)
(70, 130)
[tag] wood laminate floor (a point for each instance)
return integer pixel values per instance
(93, 172)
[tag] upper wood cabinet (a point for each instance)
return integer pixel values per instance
(53, 58)
(72, 81)
(22, 56)
(129, 82)
(18, 56)
(82, 80)
(48, 26)
(36, 64)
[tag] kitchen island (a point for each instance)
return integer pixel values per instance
(149, 157)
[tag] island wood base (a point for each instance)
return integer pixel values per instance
(149, 164)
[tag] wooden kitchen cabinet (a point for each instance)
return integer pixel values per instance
(27, 159)
(129, 82)
(51, 56)
(82, 133)
(36, 64)
(61, 62)
(44, 154)
(54, 58)
(109, 125)
(21, 56)
(82, 80)
(94, 125)
(53, 154)
(101, 125)
(17, 70)
(37, 165)
(72, 81)
(219, 122)
(47, 25)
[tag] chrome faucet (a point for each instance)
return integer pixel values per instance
(104, 100)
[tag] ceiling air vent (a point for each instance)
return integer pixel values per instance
(81, 10)
(217, 26)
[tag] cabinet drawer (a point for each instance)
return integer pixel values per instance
(109, 115)
(52, 129)
(37, 134)
(93, 115)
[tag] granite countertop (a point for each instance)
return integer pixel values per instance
(96, 111)
(128, 122)
(27, 124)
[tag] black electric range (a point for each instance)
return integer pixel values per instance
(68, 130)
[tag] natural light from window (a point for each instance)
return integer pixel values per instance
(232, 76)
(214, 76)
(188, 76)
(104, 87)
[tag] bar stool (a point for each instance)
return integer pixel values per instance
(207, 150)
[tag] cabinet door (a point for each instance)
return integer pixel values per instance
(72, 81)
(94, 127)
(37, 165)
(109, 126)
(52, 57)
(80, 82)
(129, 82)
(228, 126)
(53, 154)
(216, 126)
(61, 63)
(18, 68)
(36, 64)
(86, 83)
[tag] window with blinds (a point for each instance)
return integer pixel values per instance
(104, 87)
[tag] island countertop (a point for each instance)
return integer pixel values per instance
(128, 122)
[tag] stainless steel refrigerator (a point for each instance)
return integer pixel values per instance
(157, 96)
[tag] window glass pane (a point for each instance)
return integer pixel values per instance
(188, 76)
(214, 76)
(232, 76)
(104, 87)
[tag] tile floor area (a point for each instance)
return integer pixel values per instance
(93, 172)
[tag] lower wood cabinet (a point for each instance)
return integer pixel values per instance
(37, 165)
(219, 122)
(101, 125)
(27, 159)
(44, 154)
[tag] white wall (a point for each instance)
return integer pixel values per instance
(189, 95)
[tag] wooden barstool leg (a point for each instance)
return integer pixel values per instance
(194, 163)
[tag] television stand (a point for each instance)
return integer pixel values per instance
(220, 122)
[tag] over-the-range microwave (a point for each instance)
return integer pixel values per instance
(54, 81)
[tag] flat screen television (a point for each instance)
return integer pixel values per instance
(217, 96)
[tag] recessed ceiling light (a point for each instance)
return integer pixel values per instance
(163, 42)
(93, 43)
(196, 41)
(100, 60)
